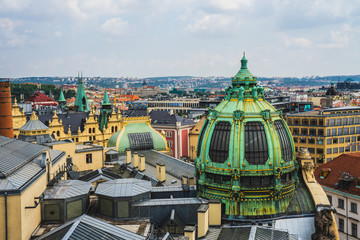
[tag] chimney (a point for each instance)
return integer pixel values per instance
(6, 122)
(136, 159)
(191, 181)
(214, 212)
(128, 156)
(189, 231)
(185, 180)
(160, 172)
(141, 162)
(203, 220)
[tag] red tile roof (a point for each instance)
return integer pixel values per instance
(39, 98)
(345, 163)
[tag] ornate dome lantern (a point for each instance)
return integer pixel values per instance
(246, 153)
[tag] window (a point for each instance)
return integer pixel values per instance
(346, 131)
(296, 122)
(351, 121)
(328, 132)
(170, 144)
(304, 131)
(338, 121)
(358, 130)
(345, 121)
(112, 129)
(353, 148)
(256, 148)
(354, 229)
(330, 199)
(311, 150)
(335, 150)
(296, 131)
(320, 151)
(295, 139)
(353, 207)
(347, 139)
(341, 225)
(321, 132)
(341, 203)
(219, 145)
(340, 131)
(94, 138)
(94, 130)
(311, 141)
(328, 141)
(289, 121)
(341, 149)
(341, 140)
(321, 122)
(328, 151)
(327, 122)
(302, 140)
(312, 131)
(313, 122)
(320, 141)
(304, 122)
(58, 133)
(201, 138)
(89, 130)
(333, 132)
(357, 120)
(90, 138)
(352, 130)
(320, 160)
(332, 122)
(347, 149)
(89, 158)
(169, 134)
(141, 141)
(335, 141)
(353, 139)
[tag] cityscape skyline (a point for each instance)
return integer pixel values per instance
(174, 38)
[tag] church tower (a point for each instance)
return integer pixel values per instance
(105, 112)
(81, 101)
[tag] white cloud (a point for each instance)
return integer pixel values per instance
(211, 23)
(339, 40)
(296, 42)
(231, 4)
(115, 26)
(8, 35)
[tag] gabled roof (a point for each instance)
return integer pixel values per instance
(74, 119)
(86, 227)
(345, 163)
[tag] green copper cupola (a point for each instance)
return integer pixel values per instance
(245, 155)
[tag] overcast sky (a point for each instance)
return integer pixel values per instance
(144, 38)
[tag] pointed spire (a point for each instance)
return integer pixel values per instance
(244, 62)
(62, 97)
(106, 100)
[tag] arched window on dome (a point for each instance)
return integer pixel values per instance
(256, 147)
(201, 138)
(284, 139)
(219, 145)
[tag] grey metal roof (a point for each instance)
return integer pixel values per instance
(170, 189)
(253, 233)
(33, 125)
(99, 174)
(86, 227)
(20, 163)
(15, 153)
(67, 189)
(173, 166)
(126, 187)
(169, 201)
(303, 227)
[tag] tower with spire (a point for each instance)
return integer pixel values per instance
(62, 100)
(81, 101)
(105, 112)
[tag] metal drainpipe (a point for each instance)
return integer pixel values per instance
(347, 218)
(6, 222)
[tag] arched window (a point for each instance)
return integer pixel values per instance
(219, 145)
(116, 129)
(58, 133)
(201, 138)
(93, 130)
(256, 148)
(89, 130)
(112, 129)
(284, 139)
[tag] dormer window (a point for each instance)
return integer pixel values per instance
(324, 172)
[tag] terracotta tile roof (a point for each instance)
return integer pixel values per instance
(345, 163)
(39, 98)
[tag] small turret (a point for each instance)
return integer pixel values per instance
(105, 111)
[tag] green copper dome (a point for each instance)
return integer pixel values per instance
(137, 135)
(246, 154)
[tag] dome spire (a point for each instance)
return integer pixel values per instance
(244, 62)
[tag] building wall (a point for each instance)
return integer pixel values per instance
(326, 137)
(185, 142)
(80, 160)
(345, 213)
(194, 137)
(21, 221)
